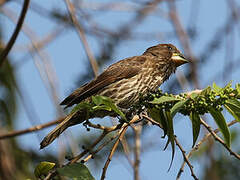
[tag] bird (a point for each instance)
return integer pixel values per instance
(124, 82)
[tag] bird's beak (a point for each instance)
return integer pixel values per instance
(179, 59)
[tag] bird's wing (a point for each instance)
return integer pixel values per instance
(123, 69)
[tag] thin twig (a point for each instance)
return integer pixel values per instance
(123, 130)
(177, 143)
(121, 134)
(217, 138)
(87, 150)
(104, 133)
(82, 36)
(38, 45)
(75, 159)
(197, 146)
(91, 155)
(186, 158)
(43, 63)
(31, 129)
(15, 33)
(99, 126)
(152, 121)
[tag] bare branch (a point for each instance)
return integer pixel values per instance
(217, 138)
(15, 33)
(121, 134)
(91, 155)
(197, 146)
(31, 129)
(186, 159)
(82, 36)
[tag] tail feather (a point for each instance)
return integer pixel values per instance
(73, 119)
(57, 131)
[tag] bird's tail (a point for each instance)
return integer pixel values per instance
(73, 119)
(57, 131)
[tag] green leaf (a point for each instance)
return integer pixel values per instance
(82, 105)
(195, 125)
(177, 107)
(220, 121)
(158, 115)
(206, 91)
(170, 134)
(98, 100)
(163, 99)
(233, 107)
(118, 111)
(43, 168)
(78, 171)
(216, 88)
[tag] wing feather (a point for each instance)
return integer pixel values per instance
(123, 69)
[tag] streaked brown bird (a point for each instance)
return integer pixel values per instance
(123, 82)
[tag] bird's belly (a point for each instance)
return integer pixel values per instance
(127, 92)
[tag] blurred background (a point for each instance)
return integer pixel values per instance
(52, 56)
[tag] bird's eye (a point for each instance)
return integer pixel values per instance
(170, 48)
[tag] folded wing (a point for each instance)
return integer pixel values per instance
(123, 69)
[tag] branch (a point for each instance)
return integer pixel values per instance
(152, 121)
(121, 134)
(186, 159)
(31, 129)
(43, 63)
(91, 155)
(177, 143)
(75, 159)
(99, 126)
(82, 36)
(106, 130)
(217, 138)
(15, 33)
(197, 146)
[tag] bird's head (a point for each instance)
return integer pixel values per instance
(167, 52)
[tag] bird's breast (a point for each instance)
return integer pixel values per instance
(126, 92)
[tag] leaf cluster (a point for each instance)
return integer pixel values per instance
(162, 107)
(99, 104)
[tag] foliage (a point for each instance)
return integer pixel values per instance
(43, 168)
(210, 100)
(162, 107)
(99, 103)
(77, 171)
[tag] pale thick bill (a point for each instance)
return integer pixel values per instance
(179, 59)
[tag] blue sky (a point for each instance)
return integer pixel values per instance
(69, 61)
